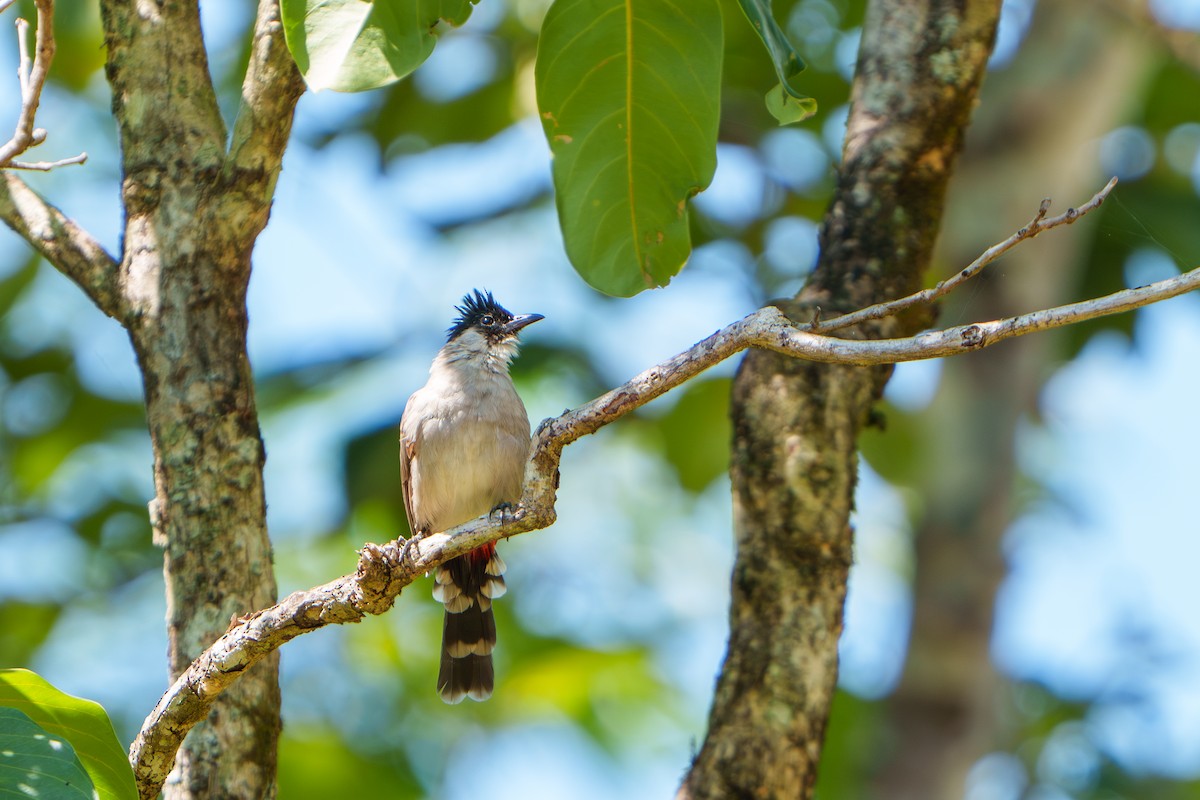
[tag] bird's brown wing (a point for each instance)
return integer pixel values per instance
(408, 452)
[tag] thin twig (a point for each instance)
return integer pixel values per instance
(46, 166)
(72, 250)
(32, 74)
(382, 573)
(1038, 224)
(24, 64)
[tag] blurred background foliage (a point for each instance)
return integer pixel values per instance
(1021, 620)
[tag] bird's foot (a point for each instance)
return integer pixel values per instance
(505, 511)
(406, 556)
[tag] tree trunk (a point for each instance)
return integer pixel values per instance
(192, 213)
(943, 714)
(796, 424)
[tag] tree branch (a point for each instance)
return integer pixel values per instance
(269, 93)
(271, 88)
(46, 166)
(384, 570)
(1038, 224)
(32, 74)
(71, 249)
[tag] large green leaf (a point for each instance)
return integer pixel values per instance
(36, 763)
(355, 45)
(629, 94)
(81, 722)
(785, 102)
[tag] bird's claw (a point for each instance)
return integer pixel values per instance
(504, 509)
(406, 551)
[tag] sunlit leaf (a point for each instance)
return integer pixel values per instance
(785, 102)
(355, 45)
(788, 109)
(629, 95)
(81, 722)
(36, 763)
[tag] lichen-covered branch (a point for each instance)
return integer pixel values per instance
(192, 211)
(383, 570)
(270, 90)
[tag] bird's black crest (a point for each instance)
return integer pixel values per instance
(475, 307)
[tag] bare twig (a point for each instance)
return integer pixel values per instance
(1036, 225)
(382, 572)
(59, 239)
(32, 73)
(46, 166)
(63, 242)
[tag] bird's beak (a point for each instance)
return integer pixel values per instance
(520, 321)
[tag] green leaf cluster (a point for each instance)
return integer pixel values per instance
(629, 98)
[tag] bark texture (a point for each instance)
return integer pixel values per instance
(796, 424)
(192, 213)
(943, 714)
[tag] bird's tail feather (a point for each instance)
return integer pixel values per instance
(467, 585)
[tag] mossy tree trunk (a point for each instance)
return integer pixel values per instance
(796, 424)
(193, 209)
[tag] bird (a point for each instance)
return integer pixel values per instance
(464, 441)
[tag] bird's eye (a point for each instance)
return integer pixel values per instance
(487, 319)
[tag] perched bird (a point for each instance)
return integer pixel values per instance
(464, 440)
